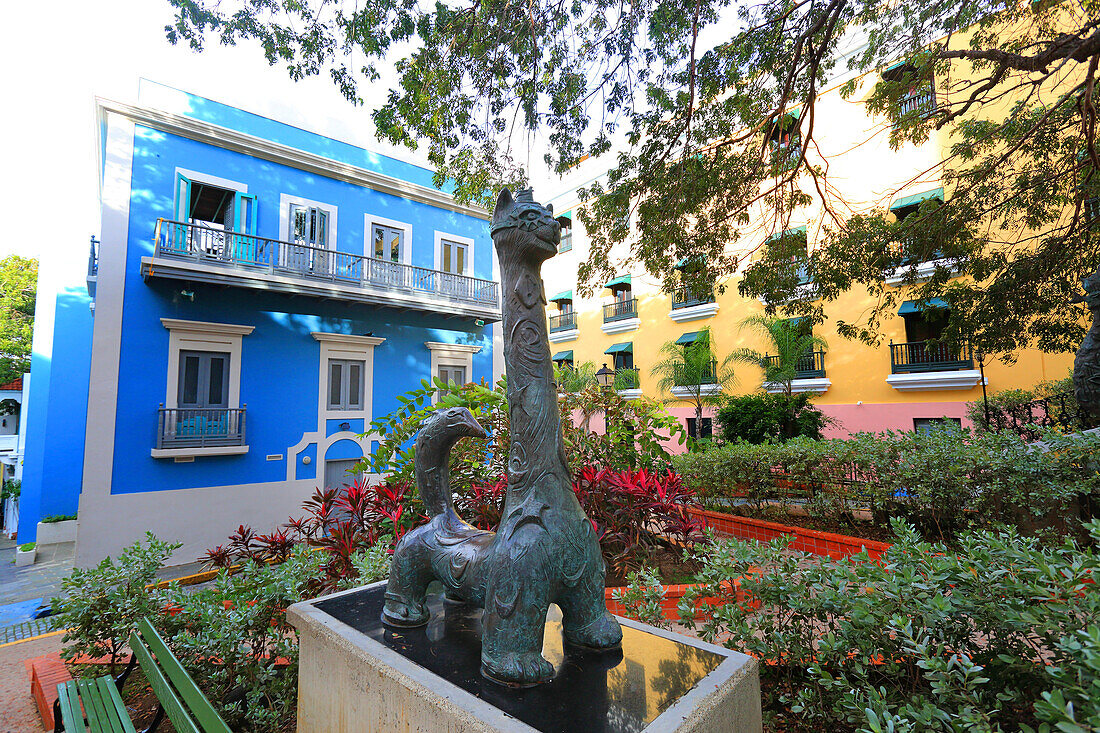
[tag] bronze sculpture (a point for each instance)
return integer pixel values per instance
(1086, 364)
(545, 549)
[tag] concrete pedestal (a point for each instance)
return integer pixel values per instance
(357, 675)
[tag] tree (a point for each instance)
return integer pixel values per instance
(703, 146)
(18, 282)
(693, 371)
(788, 345)
(575, 378)
(760, 417)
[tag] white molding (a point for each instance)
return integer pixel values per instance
(438, 244)
(257, 147)
(816, 384)
(559, 336)
(694, 312)
(806, 291)
(229, 329)
(115, 185)
(924, 271)
(369, 220)
(204, 336)
(630, 394)
(347, 339)
(704, 390)
(217, 450)
(451, 355)
(209, 180)
(621, 326)
(286, 199)
(930, 381)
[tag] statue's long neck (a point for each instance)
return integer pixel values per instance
(536, 464)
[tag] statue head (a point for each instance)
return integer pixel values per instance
(1092, 291)
(523, 223)
(454, 423)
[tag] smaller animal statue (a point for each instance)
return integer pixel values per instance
(1086, 365)
(545, 549)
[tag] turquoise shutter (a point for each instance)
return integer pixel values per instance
(244, 222)
(177, 238)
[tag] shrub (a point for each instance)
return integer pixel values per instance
(642, 596)
(26, 546)
(10, 489)
(1008, 407)
(1000, 631)
(55, 518)
(100, 606)
(759, 417)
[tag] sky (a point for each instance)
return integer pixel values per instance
(55, 64)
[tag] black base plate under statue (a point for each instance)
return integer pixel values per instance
(618, 691)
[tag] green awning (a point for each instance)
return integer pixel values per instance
(624, 348)
(619, 282)
(563, 295)
(563, 356)
(566, 220)
(688, 338)
(910, 307)
(935, 193)
(787, 233)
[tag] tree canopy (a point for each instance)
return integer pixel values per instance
(18, 284)
(682, 97)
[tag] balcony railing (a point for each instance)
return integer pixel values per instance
(810, 365)
(686, 378)
(620, 309)
(210, 245)
(925, 356)
(563, 321)
(93, 265)
(685, 297)
(205, 427)
(923, 101)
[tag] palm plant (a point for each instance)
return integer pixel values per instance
(693, 371)
(788, 346)
(574, 379)
(626, 379)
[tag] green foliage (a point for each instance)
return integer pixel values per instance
(626, 379)
(26, 546)
(18, 283)
(693, 370)
(575, 378)
(642, 596)
(695, 94)
(942, 481)
(55, 518)
(10, 406)
(760, 417)
(1006, 402)
(997, 631)
(11, 489)
(100, 606)
(788, 345)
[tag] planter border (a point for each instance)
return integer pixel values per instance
(836, 546)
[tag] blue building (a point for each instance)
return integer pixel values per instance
(259, 294)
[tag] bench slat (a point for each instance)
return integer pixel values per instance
(173, 708)
(200, 707)
(115, 707)
(71, 716)
(92, 709)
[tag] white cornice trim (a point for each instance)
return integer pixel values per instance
(932, 381)
(621, 326)
(694, 312)
(452, 348)
(922, 271)
(703, 390)
(817, 384)
(559, 336)
(630, 394)
(343, 338)
(176, 324)
(223, 137)
(222, 450)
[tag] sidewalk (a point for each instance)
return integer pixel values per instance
(18, 713)
(23, 590)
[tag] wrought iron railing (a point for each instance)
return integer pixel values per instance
(810, 365)
(927, 356)
(93, 257)
(1054, 411)
(249, 252)
(691, 378)
(618, 310)
(923, 101)
(563, 321)
(685, 297)
(206, 427)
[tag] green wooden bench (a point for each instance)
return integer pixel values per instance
(99, 700)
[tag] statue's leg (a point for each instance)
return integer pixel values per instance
(512, 630)
(410, 574)
(585, 618)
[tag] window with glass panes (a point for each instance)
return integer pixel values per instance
(454, 256)
(345, 384)
(388, 243)
(203, 380)
(455, 374)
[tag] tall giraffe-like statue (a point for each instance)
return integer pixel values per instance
(1086, 365)
(545, 550)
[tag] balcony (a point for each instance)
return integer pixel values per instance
(690, 304)
(620, 316)
(200, 431)
(200, 253)
(691, 384)
(93, 265)
(809, 375)
(563, 322)
(925, 365)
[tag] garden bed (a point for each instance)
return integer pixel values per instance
(814, 541)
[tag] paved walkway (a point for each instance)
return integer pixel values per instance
(23, 590)
(18, 713)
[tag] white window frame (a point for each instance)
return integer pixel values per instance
(439, 237)
(451, 355)
(345, 381)
(369, 220)
(197, 177)
(204, 336)
(352, 348)
(285, 202)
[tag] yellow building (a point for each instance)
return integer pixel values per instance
(901, 385)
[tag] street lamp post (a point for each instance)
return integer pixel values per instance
(605, 377)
